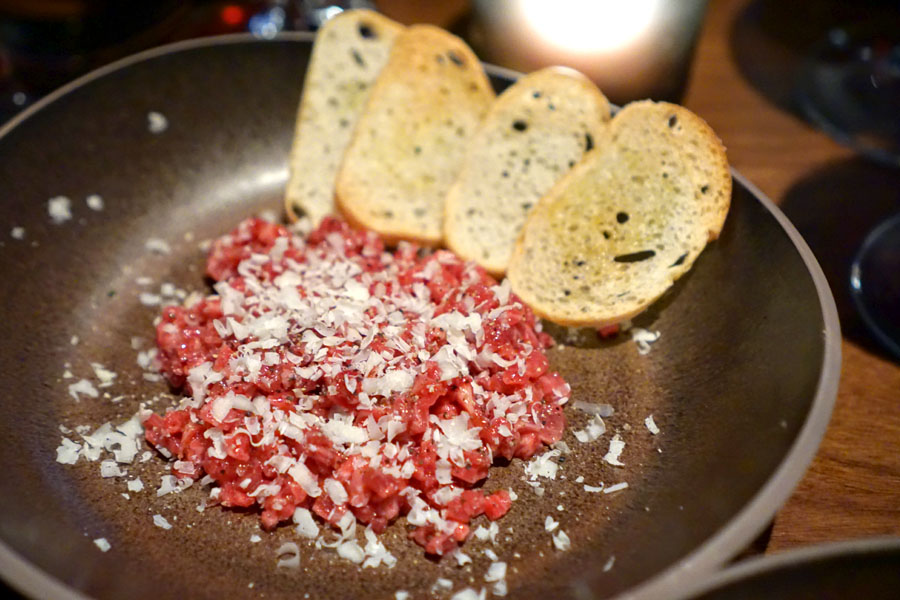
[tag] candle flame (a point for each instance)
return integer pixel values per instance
(590, 26)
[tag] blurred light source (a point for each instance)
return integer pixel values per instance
(600, 26)
(267, 24)
(631, 49)
(232, 14)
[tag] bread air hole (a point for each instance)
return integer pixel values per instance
(673, 120)
(588, 142)
(622, 217)
(679, 261)
(358, 58)
(366, 31)
(634, 257)
(456, 59)
(519, 125)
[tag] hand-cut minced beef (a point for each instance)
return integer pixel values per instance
(331, 375)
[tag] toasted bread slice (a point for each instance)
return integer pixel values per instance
(348, 54)
(533, 134)
(409, 145)
(614, 234)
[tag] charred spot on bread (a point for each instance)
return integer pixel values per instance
(588, 142)
(366, 31)
(357, 57)
(621, 217)
(633, 257)
(456, 59)
(679, 261)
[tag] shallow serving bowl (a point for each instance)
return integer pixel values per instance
(866, 568)
(741, 381)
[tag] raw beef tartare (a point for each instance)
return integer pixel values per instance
(329, 375)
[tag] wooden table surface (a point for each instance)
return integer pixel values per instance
(739, 84)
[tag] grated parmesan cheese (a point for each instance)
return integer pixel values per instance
(615, 488)
(94, 202)
(561, 541)
(550, 524)
(616, 445)
(157, 122)
(288, 555)
(60, 209)
(83, 387)
(161, 522)
(651, 425)
(103, 544)
(644, 338)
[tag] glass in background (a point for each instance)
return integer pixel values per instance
(632, 50)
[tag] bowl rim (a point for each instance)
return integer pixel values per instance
(797, 557)
(710, 555)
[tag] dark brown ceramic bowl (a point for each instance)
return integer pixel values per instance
(867, 569)
(741, 382)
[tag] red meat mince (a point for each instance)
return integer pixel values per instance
(329, 374)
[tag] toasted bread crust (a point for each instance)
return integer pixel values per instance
(347, 56)
(614, 233)
(409, 144)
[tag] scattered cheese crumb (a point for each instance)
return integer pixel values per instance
(495, 572)
(561, 541)
(109, 468)
(461, 557)
(255, 539)
(161, 522)
(609, 564)
(18, 233)
(543, 465)
(644, 338)
(94, 202)
(60, 209)
(68, 451)
(469, 594)
(550, 524)
(306, 525)
(157, 246)
(135, 485)
(592, 488)
(401, 595)
(157, 122)
(288, 555)
(616, 445)
(615, 488)
(651, 425)
(601, 410)
(592, 431)
(83, 387)
(102, 544)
